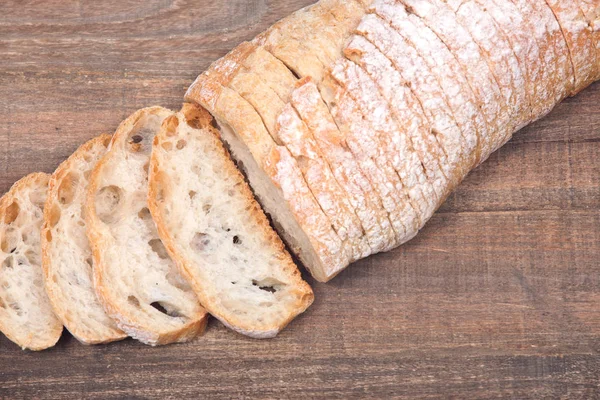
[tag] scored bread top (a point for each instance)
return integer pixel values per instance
(215, 230)
(66, 253)
(26, 316)
(135, 280)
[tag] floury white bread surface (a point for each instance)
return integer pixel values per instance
(26, 315)
(217, 233)
(135, 279)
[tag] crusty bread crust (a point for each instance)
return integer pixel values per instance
(44, 330)
(162, 181)
(87, 323)
(177, 329)
(578, 36)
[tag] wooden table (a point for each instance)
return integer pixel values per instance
(499, 296)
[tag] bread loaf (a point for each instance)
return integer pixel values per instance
(216, 232)
(66, 254)
(26, 315)
(135, 279)
(417, 93)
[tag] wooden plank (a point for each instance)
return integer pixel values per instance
(498, 296)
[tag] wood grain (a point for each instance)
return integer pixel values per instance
(498, 297)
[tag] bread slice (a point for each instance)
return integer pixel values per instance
(26, 315)
(135, 280)
(373, 158)
(307, 101)
(66, 253)
(216, 232)
(405, 119)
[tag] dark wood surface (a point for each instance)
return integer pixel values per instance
(498, 297)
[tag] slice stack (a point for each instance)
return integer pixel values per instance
(388, 104)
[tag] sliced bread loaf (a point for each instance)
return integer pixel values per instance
(135, 280)
(26, 316)
(66, 253)
(216, 232)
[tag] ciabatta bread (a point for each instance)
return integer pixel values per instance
(216, 232)
(66, 254)
(135, 279)
(26, 315)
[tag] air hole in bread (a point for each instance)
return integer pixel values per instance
(54, 215)
(168, 146)
(170, 124)
(231, 192)
(107, 202)
(11, 213)
(67, 187)
(90, 262)
(33, 257)
(178, 281)
(237, 240)
(166, 309)
(181, 143)
(8, 263)
(159, 248)
(265, 304)
(48, 236)
(200, 241)
(192, 194)
(16, 308)
(24, 237)
(133, 301)
(54, 278)
(2, 305)
(144, 213)
(9, 241)
(146, 167)
(206, 208)
(266, 288)
(38, 198)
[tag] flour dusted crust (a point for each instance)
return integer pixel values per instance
(536, 22)
(578, 36)
(451, 78)
(500, 57)
(26, 315)
(307, 101)
(417, 190)
(365, 143)
(321, 181)
(591, 11)
(442, 21)
(66, 253)
(212, 226)
(563, 72)
(135, 279)
(426, 88)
